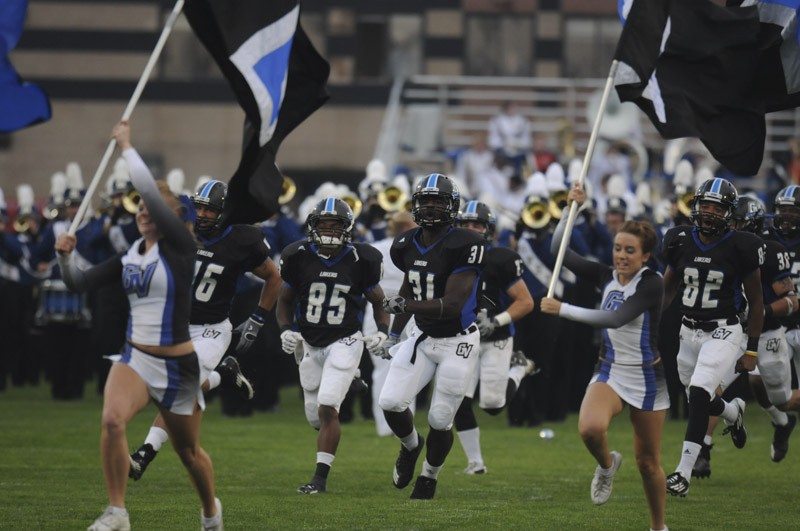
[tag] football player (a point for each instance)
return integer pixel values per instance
(325, 281)
(708, 264)
(504, 300)
(223, 254)
(441, 266)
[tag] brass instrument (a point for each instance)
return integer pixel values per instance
(353, 202)
(392, 199)
(566, 137)
(684, 198)
(51, 211)
(536, 214)
(22, 223)
(130, 201)
(288, 190)
(557, 202)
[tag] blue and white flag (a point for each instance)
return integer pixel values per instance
(21, 104)
(278, 78)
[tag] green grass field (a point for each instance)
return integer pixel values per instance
(50, 476)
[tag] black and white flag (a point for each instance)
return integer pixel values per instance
(278, 78)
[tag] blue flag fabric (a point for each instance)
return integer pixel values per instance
(279, 80)
(21, 104)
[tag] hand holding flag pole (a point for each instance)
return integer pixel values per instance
(573, 209)
(151, 63)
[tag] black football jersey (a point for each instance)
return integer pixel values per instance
(330, 293)
(710, 276)
(502, 268)
(220, 261)
(427, 271)
(793, 248)
(777, 266)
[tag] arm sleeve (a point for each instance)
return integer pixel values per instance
(170, 225)
(649, 294)
(79, 280)
(593, 271)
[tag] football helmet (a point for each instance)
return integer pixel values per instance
(328, 239)
(435, 201)
(748, 215)
(787, 211)
(721, 192)
(478, 212)
(211, 195)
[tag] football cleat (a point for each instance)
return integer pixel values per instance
(213, 523)
(424, 488)
(603, 481)
(677, 485)
(780, 440)
(474, 468)
(315, 486)
(111, 521)
(139, 461)
(518, 358)
(702, 467)
(737, 429)
(231, 375)
(405, 464)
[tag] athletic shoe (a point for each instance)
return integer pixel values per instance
(518, 358)
(424, 488)
(677, 485)
(215, 522)
(139, 461)
(109, 521)
(405, 464)
(603, 480)
(474, 468)
(780, 439)
(737, 429)
(231, 375)
(315, 486)
(702, 467)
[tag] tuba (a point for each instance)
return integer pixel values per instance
(557, 202)
(130, 201)
(392, 199)
(288, 190)
(536, 214)
(353, 202)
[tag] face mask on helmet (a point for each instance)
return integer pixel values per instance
(477, 213)
(435, 201)
(712, 207)
(330, 226)
(787, 212)
(209, 202)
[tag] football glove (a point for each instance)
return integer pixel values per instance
(290, 340)
(387, 344)
(248, 331)
(486, 324)
(374, 343)
(394, 305)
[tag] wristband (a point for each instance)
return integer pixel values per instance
(383, 327)
(768, 310)
(751, 353)
(752, 345)
(503, 319)
(789, 305)
(394, 334)
(261, 313)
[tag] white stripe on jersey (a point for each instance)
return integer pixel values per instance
(630, 343)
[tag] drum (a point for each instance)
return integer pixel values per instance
(59, 305)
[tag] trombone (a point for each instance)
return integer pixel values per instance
(684, 198)
(288, 190)
(353, 202)
(22, 223)
(131, 200)
(392, 199)
(536, 214)
(557, 203)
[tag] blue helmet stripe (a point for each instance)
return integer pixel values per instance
(330, 205)
(472, 207)
(432, 180)
(790, 191)
(206, 191)
(716, 185)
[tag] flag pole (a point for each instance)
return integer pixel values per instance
(573, 209)
(151, 63)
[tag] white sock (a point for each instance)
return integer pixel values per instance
(730, 413)
(325, 458)
(209, 521)
(156, 438)
(430, 471)
(708, 440)
(517, 373)
(214, 380)
(471, 442)
(779, 418)
(411, 440)
(688, 457)
(118, 510)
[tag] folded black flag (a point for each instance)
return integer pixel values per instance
(692, 66)
(278, 78)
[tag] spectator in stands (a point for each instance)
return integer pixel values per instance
(510, 134)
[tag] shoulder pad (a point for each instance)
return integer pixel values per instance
(295, 248)
(459, 237)
(368, 252)
(502, 254)
(403, 239)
